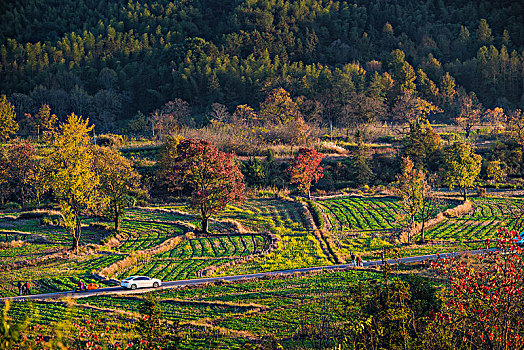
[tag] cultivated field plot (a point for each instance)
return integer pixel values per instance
(191, 257)
(219, 246)
(361, 225)
(59, 274)
(488, 215)
(294, 251)
(141, 235)
(254, 308)
(26, 251)
(278, 306)
(365, 226)
(286, 219)
(174, 310)
(245, 311)
(263, 214)
(20, 229)
(355, 213)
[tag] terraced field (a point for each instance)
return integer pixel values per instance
(21, 228)
(287, 220)
(488, 215)
(191, 257)
(140, 234)
(244, 311)
(264, 214)
(219, 246)
(279, 307)
(353, 213)
(27, 251)
(367, 226)
(59, 274)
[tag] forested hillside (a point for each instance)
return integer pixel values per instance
(111, 59)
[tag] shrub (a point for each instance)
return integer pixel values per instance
(32, 215)
(12, 205)
(109, 140)
(481, 300)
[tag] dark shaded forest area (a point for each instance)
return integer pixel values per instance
(117, 61)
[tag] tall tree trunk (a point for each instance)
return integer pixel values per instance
(116, 222)
(76, 240)
(77, 232)
(116, 217)
(205, 224)
(205, 219)
(465, 194)
(422, 238)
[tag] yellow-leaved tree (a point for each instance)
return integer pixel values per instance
(418, 202)
(118, 181)
(462, 167)
(70, 173)
(8, 124)
(278, 107)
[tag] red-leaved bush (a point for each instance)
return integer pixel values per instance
(483, 300)
(306, 168)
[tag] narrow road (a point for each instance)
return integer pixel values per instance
(194, 282)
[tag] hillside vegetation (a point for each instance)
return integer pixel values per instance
(111, 59)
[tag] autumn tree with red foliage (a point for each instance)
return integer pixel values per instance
(306, 168)
(483, 302)
(212, 175)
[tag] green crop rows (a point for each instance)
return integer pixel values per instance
(264, 214)
(279, 307)
(56, 274)
(488, 215)
(54, 233)
(171, 309)
(361, 213)
(190, 257)
(282, 303)
(140, 235)
(28, 251)
(219, 246)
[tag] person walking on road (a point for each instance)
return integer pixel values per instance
(19, 288)
(359, 261)
(27, 288)
(353, 259)
(80, 286)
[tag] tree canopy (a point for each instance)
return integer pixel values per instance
(306, 169)
(212, 176)
(70, 173)
(462, 167)
(8, 124)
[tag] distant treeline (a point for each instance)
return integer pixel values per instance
(110, 59)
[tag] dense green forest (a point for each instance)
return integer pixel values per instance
(118, 60)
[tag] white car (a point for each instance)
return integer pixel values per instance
(135, 282)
